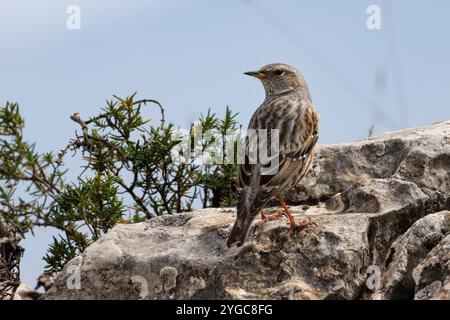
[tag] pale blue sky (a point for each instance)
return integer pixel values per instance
(190, 55)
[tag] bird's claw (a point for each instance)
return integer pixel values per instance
(266, 218)
(303, 223)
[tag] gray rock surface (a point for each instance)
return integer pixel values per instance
(382, 233)
(408, 251)
(24, 292)
(396, 178)
(432, 275)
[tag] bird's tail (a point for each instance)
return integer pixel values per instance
(239, 233)
(245, 215)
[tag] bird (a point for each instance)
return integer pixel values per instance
(287, 108)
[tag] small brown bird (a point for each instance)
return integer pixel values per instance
(288, 108)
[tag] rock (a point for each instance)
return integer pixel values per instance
(398, 177)
(380, 234)
(24, 292)
(432, 275)
(420, 156)
(407, 252)
(185, 257)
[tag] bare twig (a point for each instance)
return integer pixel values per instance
(145, 101)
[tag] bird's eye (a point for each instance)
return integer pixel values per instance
(279, 72)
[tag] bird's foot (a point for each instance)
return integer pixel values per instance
(302, 224)
(269, 217)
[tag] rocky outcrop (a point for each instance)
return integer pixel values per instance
(25, 292)
(408, 257)
(432, 275)
(382, 233)
(395, 178)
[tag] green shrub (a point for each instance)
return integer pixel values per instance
(131, 171)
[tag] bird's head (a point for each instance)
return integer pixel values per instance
(279, 78)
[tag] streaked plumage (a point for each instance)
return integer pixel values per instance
(287, 107)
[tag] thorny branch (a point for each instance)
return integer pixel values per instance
(128, 164)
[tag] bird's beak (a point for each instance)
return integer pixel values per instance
(256, 74)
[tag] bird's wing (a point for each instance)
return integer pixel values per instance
(298, 136)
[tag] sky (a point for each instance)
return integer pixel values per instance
(190, 55)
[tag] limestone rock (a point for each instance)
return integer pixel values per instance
(24, 292)
(408, 251)
(419, 156)
(382, 233)
(432, 275)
